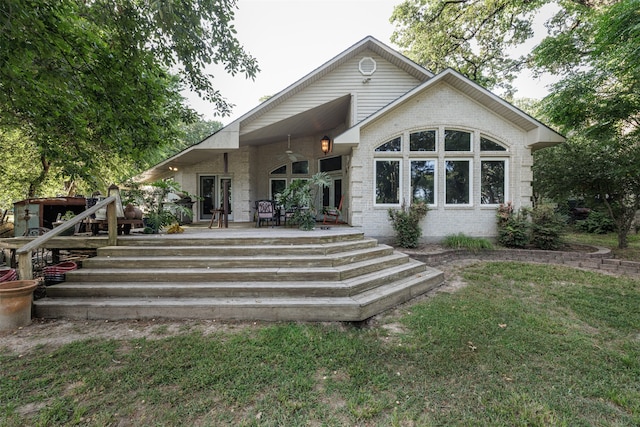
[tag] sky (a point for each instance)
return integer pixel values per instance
(291, 38)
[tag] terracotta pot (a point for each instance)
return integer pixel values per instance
(16, 298)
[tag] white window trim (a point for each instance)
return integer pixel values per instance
(400, 183)
(506, 180)
(444, 181)
(435, 177)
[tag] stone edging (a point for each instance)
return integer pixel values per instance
(598, 260)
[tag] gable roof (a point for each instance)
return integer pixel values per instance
(325, 116)
(539, 135)
(368, 43)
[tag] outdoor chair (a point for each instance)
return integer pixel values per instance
(266, 211)
(333, 212)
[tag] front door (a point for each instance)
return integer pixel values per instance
(211, 192)
(206, 191)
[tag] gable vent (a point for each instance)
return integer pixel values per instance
(367, 66)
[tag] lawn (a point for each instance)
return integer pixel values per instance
(610, 240)
(519, 345)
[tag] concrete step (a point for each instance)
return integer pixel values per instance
(237, 250)
(277, 236)
(270, 274)
(262, 259)
(238, 288)
(308, 308)
(223, 272)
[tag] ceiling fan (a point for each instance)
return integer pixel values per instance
(294, 157)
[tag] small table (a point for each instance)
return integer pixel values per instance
(219, 213)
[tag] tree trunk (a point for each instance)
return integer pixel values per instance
(34, 186)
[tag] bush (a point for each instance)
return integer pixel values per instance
(513, 227)
(461, 241)
(547, 227)
(406, 223)
(596, 223)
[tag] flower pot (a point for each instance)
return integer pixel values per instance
(130, 212)
(16, 298)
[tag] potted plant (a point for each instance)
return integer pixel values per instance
(159, 200)
(298, 197)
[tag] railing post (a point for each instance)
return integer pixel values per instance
(112, 216)
(25, 266)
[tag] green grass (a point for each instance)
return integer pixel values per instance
(461, 241)
(520, 345)
(609, 240)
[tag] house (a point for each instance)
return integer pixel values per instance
(398, 133)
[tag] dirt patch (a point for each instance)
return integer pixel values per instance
(57, 332)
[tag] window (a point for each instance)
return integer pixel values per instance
(300, 168)
(282, 170)
(423, 141)
(387, 182)
(489, 145)
(393, 145)
(451, 167)
(331, 164)
(458, 182)
(456, 140)
(277, 186)
(423, 173)
(492, 187)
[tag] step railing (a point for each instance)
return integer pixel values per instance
(25, 253)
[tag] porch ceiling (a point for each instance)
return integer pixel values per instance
(314, 121)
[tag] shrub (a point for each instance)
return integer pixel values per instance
(596, 223)
(461, 241)
(406, 223)
(547, 227)
(513, 227)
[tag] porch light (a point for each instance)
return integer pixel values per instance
(172, 168)
(325, 144)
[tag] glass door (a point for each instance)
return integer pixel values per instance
(207, 196)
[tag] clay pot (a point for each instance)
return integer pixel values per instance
(130, 212)
(16, 298)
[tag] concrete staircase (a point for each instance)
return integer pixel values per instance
(302, 276)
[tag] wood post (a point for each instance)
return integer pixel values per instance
(25, 265)
(112, 216)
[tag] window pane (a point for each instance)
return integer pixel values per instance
(492, 187)
(387, 181)
(422, 180)
(282, 170)
(423, 141)
(457, 182)
(393, 145)
(300, 167)
(456, 140)
(331, 164)
(277, 186)
(489, 145)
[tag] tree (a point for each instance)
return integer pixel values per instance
(600, 172)
(472, 36)
(598, 105)
(90, 82)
